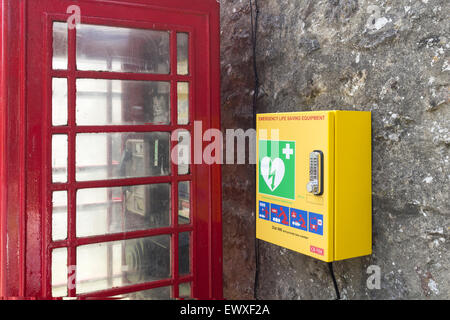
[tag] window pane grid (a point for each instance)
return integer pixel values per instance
(72, 243)
(139, 287)
(106, 75)
(120, 236)
(118, 129)
(122, 182)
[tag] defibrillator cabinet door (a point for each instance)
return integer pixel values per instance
(113, 88)
(295, 181)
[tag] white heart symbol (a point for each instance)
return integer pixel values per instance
(272, 172)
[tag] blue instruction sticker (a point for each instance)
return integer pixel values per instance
(299, 219)
(316, 223)
(280, 214)
(264, 210)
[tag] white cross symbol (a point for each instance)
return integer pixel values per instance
(288, 151)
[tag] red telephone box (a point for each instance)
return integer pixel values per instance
(95, 96)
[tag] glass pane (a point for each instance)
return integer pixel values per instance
(59, 158)
(162, 293)
(184, 202)
(59, 272)
(183, 102)
(118, 102)
(183, 152)
(102, 48)
(122, 155)
(121, 209)
(182, 53)
(59, 45)
(120, 263)
(59, 215)
(59, 102)
(184, 290)
(184, 264)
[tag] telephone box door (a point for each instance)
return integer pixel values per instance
(113, 205)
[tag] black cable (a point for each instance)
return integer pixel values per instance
(254, 45)
(254, 24)
(338, 295)
(255, 288)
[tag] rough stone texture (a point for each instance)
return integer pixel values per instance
(387, 56)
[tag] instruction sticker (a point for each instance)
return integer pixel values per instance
(299, 219)
(316, 223)
(280, 214)
(264, 210)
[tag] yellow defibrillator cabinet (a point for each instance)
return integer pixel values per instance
(314, 183)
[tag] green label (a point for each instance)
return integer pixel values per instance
(276, 160)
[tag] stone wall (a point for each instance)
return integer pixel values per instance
(390, 57)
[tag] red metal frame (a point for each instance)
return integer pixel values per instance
(25, 175)
(12, 152)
